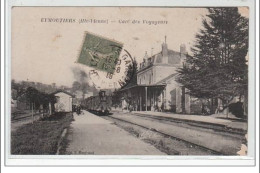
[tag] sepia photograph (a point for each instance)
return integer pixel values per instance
(132, 81)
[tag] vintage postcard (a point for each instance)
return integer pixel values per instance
(129, 81)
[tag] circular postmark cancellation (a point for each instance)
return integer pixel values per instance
(122, 74)
(111, 65)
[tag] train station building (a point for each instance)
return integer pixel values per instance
(157, 89)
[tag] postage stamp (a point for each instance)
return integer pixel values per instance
(99, 52)
(122, 76)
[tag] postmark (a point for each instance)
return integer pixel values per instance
(121, 76)
(111, 66)
(99, 52)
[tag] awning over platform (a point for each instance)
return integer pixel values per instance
(143, 97)
(140, 87)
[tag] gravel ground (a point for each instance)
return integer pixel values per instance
(165, 144)
(93, 135)
(225, 144)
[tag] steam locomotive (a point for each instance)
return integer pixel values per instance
(100, 104)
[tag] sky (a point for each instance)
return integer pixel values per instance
(47, 51)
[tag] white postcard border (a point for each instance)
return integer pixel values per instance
(135, 160)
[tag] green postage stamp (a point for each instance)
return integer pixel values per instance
(99, 52)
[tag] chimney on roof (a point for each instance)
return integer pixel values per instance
(165, 52)
(183, 49)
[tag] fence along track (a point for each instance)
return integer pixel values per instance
(172, 137)
(26, 117)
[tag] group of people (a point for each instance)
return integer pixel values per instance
(133, 107)
(157, 108)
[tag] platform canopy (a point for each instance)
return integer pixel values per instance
(135, 87)
(144, 96)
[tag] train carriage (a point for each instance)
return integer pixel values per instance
(100, 104)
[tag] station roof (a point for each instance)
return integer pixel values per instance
(166, 79)
(141, 86)
(59, 91)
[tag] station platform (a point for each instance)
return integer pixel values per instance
(220, 119)
(213, 119)
(92, 135)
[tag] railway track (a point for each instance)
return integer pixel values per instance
(218, 128)
(188, 143)
(16, 119)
